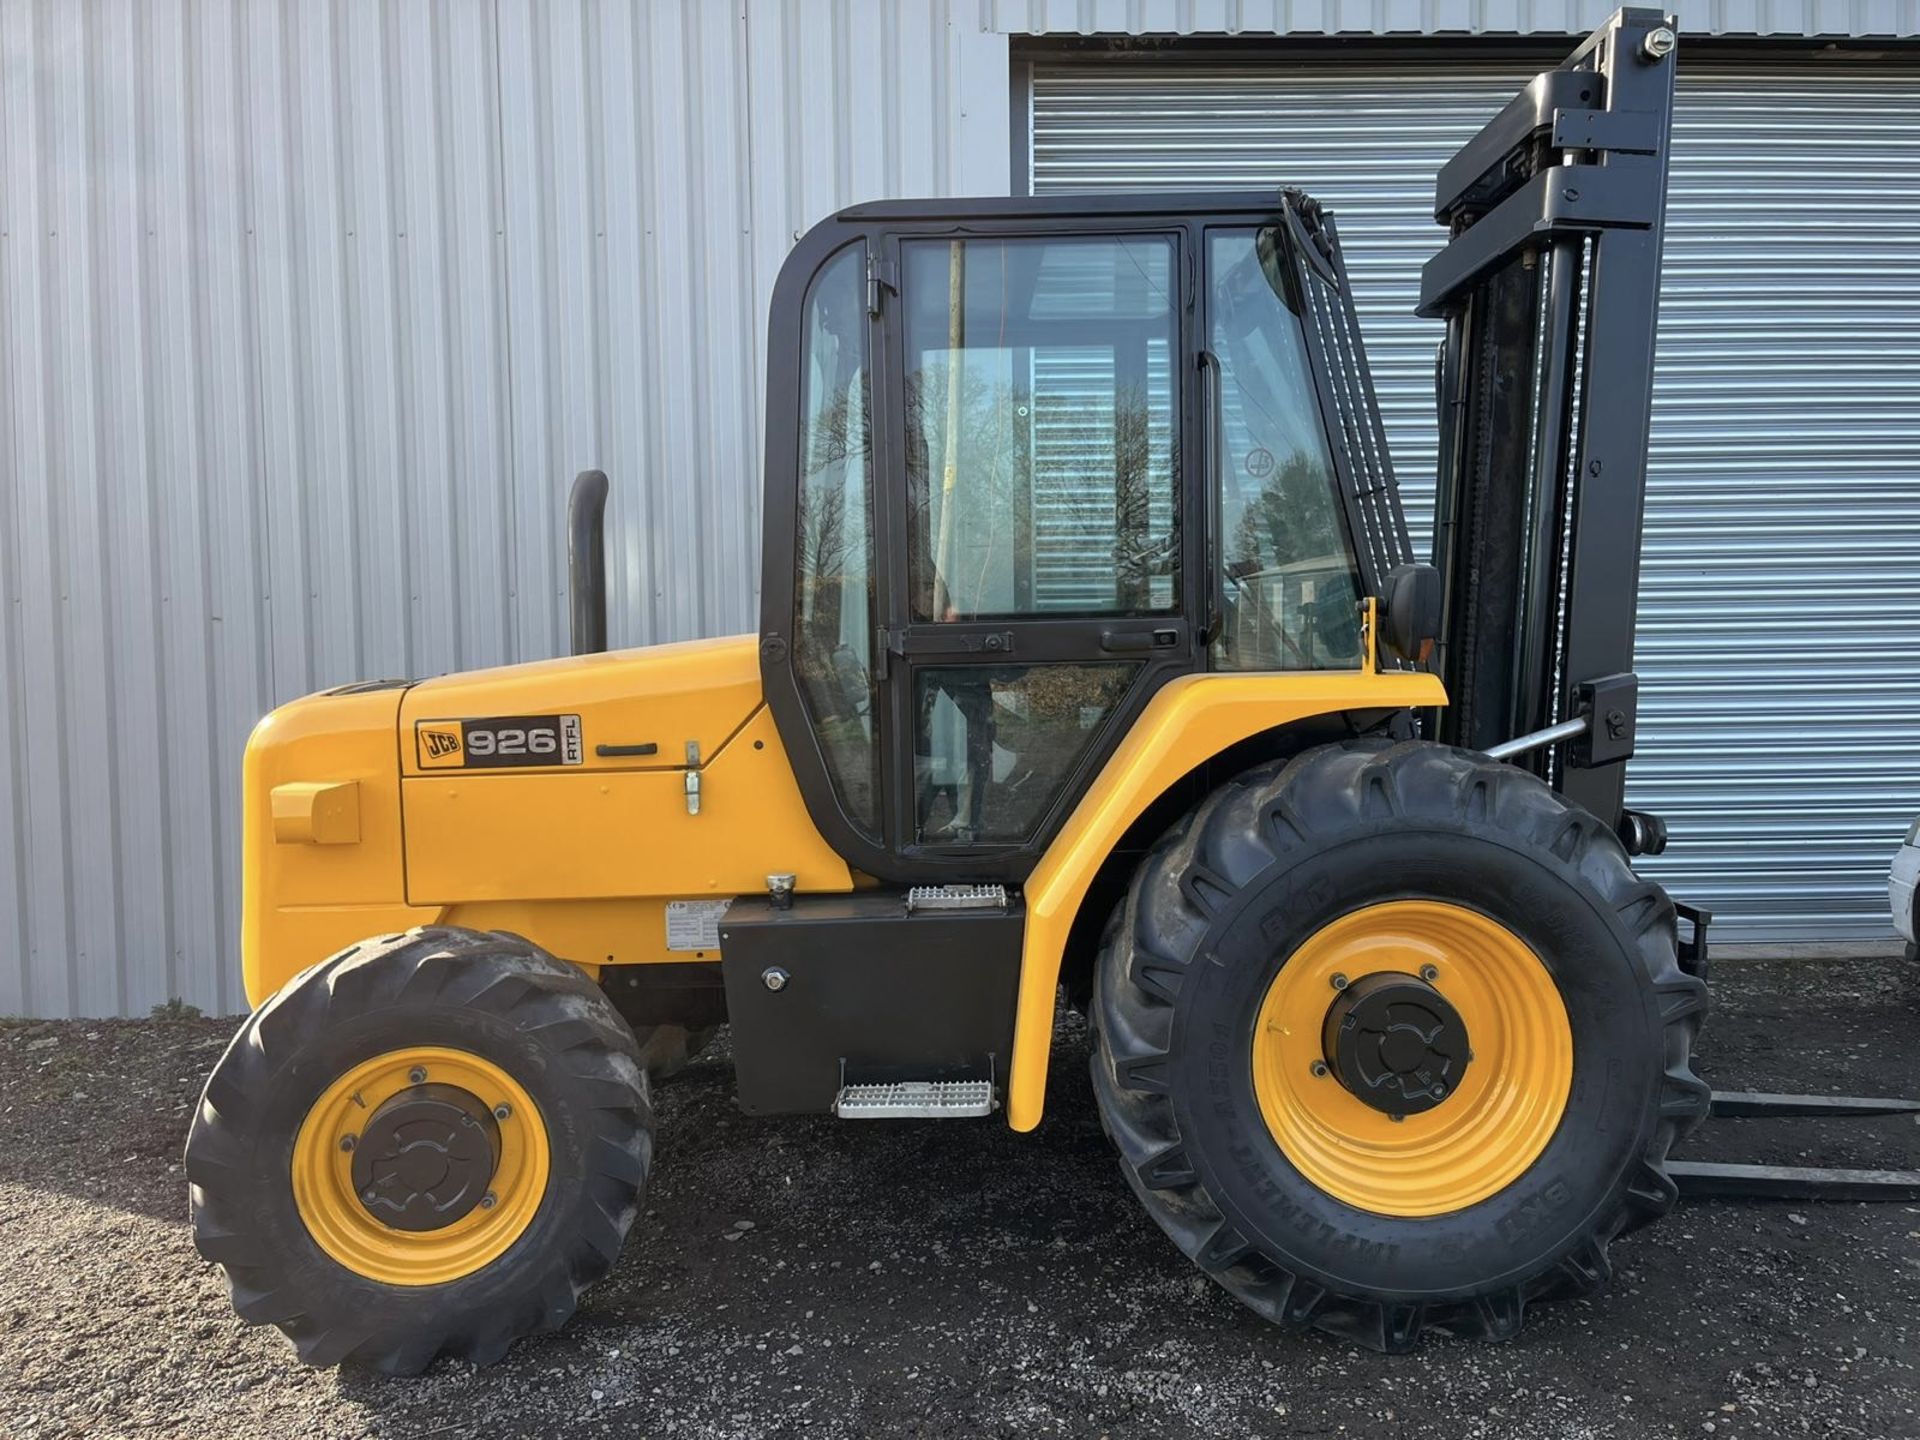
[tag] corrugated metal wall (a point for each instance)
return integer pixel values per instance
(309, 312)
(1779, 614)
(1890, 18)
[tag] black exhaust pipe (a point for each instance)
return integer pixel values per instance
(587, 562)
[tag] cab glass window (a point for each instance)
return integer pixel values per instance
(1292, 593)
(995, 744)
(833, 634)
(1041, 443)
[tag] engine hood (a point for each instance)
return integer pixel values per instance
(605, 710)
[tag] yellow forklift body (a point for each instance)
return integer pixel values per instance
(698, 692)
(1189, 721)
(351, 830)
(580, 858)
(306, 895)
(599, 834)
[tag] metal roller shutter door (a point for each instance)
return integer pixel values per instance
(1779, 610)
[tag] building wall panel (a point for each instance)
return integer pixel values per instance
(311, 309)
(309, 313)
(1777, 604)
(1772, 18)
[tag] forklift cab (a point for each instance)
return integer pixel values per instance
(1028, 461)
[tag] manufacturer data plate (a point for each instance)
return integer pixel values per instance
(493, 741)
(694, 924)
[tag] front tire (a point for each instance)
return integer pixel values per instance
(430, 1143)
(1321, 1185)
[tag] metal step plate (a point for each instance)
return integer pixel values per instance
(915, 1100)
(957, 897)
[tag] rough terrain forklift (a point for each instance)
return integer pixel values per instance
(1093, 662)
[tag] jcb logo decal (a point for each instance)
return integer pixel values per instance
(439, 744)
(491, 742)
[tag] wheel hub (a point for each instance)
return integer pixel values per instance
(426, 1157)
(1504, 1100)
(1395, 1043)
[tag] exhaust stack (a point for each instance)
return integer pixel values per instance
(587, 562)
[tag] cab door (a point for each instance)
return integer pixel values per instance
(1041, 544)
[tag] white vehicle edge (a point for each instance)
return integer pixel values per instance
(1901, 883)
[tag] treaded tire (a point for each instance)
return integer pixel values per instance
(1269, 859)
(496, 995)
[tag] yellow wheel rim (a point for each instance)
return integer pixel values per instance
(1508, 1101)
(330, 1203)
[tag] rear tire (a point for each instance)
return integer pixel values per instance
(1270, 862)
(465, 1004)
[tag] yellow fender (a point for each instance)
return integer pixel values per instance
(1189, 721)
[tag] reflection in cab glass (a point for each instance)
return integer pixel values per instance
(997, 742)
(833, 639)
(1042, 452)
(1292, 597)
(1040, 426)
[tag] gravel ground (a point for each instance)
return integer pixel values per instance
(958, 1279)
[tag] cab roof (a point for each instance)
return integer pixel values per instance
(1027, 207)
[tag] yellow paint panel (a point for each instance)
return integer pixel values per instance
(664, 696)
(302, 902)
(593, 934)
(1189, 720)
(578, 834)
(580, 859)
(309, 812)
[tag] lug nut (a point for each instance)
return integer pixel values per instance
(1319, 1069)
(418, 1074)
(502, 1111)
(347, 1142)
(1339, 982)
(1429, 973)
(487, 1201)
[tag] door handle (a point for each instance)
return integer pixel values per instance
(1136, 641)
(946, 640)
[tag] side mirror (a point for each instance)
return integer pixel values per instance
(1410, 611)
